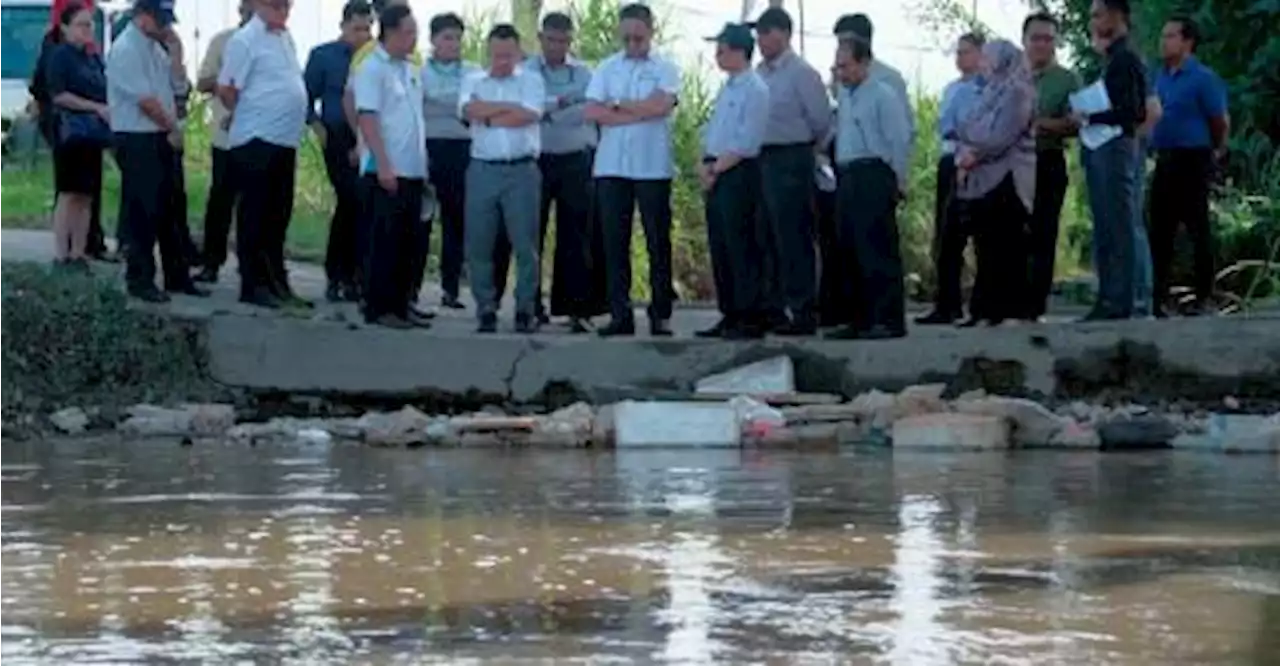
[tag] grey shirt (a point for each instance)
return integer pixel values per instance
(137, 69)
(871, 126)
(738, 118)
(564, 130)
(799, 111)
(890, 76)
(442, 82)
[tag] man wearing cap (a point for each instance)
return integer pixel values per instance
(799, 117)
(872, 153)
(632, 97)
(144, 118)
(859, 25)
(730, 176)
(503, 106)
(261, 83)
(222, 199)
(567, 140)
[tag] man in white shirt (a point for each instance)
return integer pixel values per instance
(389, 97)
(504, 106)
(222, 198)
(261, 84)
(632, 96)
(144, 117)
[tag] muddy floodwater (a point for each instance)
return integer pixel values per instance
(148, 552)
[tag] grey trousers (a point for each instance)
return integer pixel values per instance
(505, 194)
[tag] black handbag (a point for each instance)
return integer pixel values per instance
(83, 130)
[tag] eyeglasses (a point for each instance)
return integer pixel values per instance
(634, 39)
(280, 5)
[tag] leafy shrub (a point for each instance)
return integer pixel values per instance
(73, 339)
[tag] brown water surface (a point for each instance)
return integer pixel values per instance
(145, 552)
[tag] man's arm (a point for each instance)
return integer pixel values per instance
(1213, 99)
(207, 76)
(123, 76)
(897, 133)
(748, 135)
(313, 77)
(237, 63)
(815, 104)
(529, 110)
(1125, 81)
(662, 101)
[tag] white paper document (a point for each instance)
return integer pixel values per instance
(1089, 100)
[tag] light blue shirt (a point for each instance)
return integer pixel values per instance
(271, 105)
(443, 82)
(137, 69)
(523, 87)
(738, 118)
(392, 90)
(636, 151)
(871, 126)
(957, 98)
(564, 130)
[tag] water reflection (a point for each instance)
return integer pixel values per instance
(147, 552)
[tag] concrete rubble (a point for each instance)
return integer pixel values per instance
(918, 417)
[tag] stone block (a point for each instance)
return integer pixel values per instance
(1033, 423)
(71, 420)
(1141, 431)
(951, 432)
(675, 424)
(772, 376)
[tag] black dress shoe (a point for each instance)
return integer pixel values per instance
(617, 328)
(188, 289)
(775, 320)
(716, 331)
(660, 328)
(527, 325)
(742, 332)
(452, 303)
(937, 317)
(261, 297)
(392, 321)
(881, 333)
(104, 255)
(206, 275)
(488, 324)
(149, 294)
(797, 328)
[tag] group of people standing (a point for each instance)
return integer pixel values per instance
(800, 199)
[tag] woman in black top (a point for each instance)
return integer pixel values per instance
(77, 84)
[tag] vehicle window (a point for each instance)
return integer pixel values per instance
(21, 32)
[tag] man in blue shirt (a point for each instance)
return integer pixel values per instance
(1191, 131)
(949, 235)
(327, 71)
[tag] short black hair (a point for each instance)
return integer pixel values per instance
(637, 12)
(1187, 26)
(504, 31)
(977, 39)
(557, 21)
(356, 8)
(447, 21)
(391, 19)
(1121, 6)
(857, 47)
(774, 18)
(1041, 17)
(858, 25)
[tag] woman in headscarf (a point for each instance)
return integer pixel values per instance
(996, 159)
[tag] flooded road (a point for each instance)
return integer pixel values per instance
(152, 553)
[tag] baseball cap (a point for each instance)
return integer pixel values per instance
(161, 9)
(773, 18)
(736, 36)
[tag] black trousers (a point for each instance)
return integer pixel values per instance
(341, 259)
(787, 186)
(566, 182)
(219, 209)
(1042, 236)
(264, 182)
(733, 237)
(999, 222)
(146, 206)
(448, 161)
(1180, 196)
(950, 235)
(866, 202)
(619, 197)
(834, 299)
(395, 234)
(179, 209)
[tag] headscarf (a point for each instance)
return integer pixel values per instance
(1008, 75)
(1006, 109)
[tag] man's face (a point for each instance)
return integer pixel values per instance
(1172, 43)
(246, 10)
(1041, 42)
(504, 55)
(447, 44)
(772, 41)
(968, 57)
(359, 30)
(730, 59)
(401, 41)
(1102, 21)
(636, 37)
(275, 13)
(148, 24)
(848, 70)
(555, 44)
